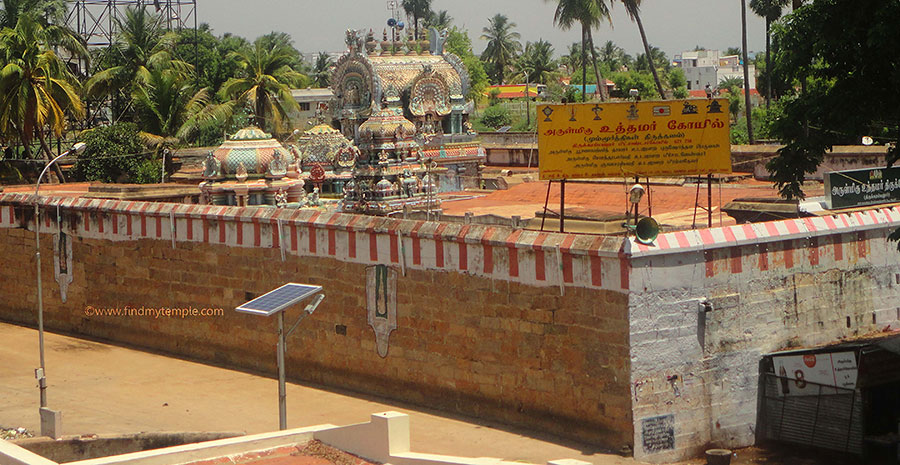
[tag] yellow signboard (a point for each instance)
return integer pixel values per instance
(666, 138)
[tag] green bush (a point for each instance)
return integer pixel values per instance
(496, 116)
(105, 158)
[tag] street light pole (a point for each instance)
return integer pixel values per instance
(527, 101)
(41, 373)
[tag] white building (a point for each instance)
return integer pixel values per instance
(708, 67)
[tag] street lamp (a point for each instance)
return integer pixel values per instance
(278, 301)
(40, 373)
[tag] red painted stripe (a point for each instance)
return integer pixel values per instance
(763, 257)
(706, 237)
(332, 242)
(351, 243)
(539, 272)
(87, 221)
(395, 248)
(373, 247)
(100, 223)
(772, 230)
(513, 261)
(838, 242)
(128, 224)
(710, 263)
(829, 221)
(463, 256)
(257, 232)
(1, 215)
(861, 243)
(873, 216)
(596, 270)
(663, 241)
(624, 270)
(567, 268)
(737, 265)
(788, 247)
(813, 251)
(221, 231)
(190, 228)
(158, 226)
(115, 224)
(682, 240)
(729, 234)
(539, 241)
(293, 237)
(844, 220)
(143, 225)
(276, 235)
(809, 224)
(792, 226)
(438, 252)
(240, 231)
(417, 250)
(748, 231)
(488, 258)
(312, 240)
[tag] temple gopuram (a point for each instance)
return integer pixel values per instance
(426, 85)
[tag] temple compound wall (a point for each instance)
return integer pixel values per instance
(517, 326)
(706, 305)
(598, 339)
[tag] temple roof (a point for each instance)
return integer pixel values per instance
(322, 144)
(400, 71)
(254, 148)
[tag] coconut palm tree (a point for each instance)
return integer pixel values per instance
(440, 19)
(537, 61)
(503, 45)
(166, 107)
(265, 85)
(321, 72)
(49, 14)
(37, 91)
(771, 11)
(141, 45)
(633, 8)
(589, 14)
(417, 9)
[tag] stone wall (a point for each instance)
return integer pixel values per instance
(768, 286)
(518, 326)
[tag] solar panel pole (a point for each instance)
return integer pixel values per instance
(282, 396)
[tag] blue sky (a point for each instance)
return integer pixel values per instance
(672, 25)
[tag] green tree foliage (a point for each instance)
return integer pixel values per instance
(459, 44)
(537, 62)
(496, 116)
(642, 81)
(770, 10)
(212, 67)
(264, 86)
(49, 14)
(321, 71)
(140, 46)
(167, 106)
(732, 51)
(613, 56)
(440, 19)
(115, 153)
(37, 92)
(503, 46)
(840, 52)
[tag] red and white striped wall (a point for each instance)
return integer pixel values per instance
(528, 257)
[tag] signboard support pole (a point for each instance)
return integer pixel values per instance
(649, 199)
(562, 205)
(546, 202)
(709, 178)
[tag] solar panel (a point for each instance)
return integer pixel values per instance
(274, 301)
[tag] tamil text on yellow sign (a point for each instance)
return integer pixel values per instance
(595, 140)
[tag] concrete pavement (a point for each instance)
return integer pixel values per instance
(102, 388)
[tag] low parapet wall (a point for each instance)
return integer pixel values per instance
(523, 327)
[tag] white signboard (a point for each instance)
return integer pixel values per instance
(805, 373)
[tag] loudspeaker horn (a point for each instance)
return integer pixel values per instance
(646, 230)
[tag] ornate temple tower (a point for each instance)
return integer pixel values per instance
(390, 174)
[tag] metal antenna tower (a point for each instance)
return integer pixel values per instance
(96, 20)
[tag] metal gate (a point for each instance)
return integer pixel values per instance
(829, 418)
